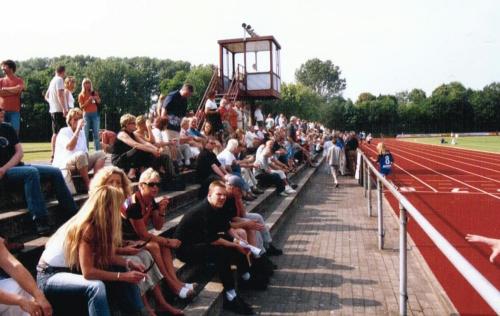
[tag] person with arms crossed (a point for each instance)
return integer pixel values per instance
(11, 87)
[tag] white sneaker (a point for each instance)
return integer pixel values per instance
(290, 191)
(283, 194)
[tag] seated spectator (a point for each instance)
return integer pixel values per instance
(262, 239)
(144, 129)
(264, 174)
(19, 295)
(161, 140)
(269, 121)
(136, 250)
(277, 167)
(142, 209)
(131, 154)
(252, 141)
(195, 143)
(79, 261)
(205, 238)
(208, 130)
(108, 139)
(212, 115)
(71, 153)
(12, 170)
(228, 161)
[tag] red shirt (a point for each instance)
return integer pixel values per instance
(11, 103)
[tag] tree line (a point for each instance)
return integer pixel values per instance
(130, 84)
(126, 85)
(451, 107)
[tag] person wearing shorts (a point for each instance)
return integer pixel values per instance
(57, 104)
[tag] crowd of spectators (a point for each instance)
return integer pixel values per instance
(104, 254)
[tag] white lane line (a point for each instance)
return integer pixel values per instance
(419, 180)
(478, 152)
(446, 176)
(450, 159)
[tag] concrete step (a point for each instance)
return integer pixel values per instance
(15, 223)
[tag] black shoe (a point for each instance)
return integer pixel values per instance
(248, 198)
(336, 185)
(293, 185)
(263, 267)
(238, 306)
(42, 226)
(256, 282)
(273, 251)
(256, 190)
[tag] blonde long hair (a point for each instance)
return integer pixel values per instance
(83, 85)
(98, 223)
(103, 175)
(381, 149)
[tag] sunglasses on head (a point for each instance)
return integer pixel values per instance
(152, 184)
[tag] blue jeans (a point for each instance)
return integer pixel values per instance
(30, 175)
(68, 291)
(14, 118)
(92, 121)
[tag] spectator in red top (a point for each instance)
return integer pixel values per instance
(89, 101)
(11, 87)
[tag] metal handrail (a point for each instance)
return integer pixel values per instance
(483, 287)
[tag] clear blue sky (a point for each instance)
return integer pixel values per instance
(381, 46)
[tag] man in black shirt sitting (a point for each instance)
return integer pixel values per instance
(205, 237)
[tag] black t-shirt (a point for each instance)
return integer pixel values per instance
(352, 144)
(204, 224)
(292, 132)
(176, 107)
(8, 142)
(204, 163)
(134, 211)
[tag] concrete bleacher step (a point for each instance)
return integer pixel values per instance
(209, 299)
(16, 223)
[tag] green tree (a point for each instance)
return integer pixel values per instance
(321, 76)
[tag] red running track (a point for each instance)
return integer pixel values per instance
(458, 191)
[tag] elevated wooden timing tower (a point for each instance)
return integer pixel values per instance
(255, 63)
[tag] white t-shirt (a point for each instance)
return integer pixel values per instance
(61, 154)
(210, 105)
(261, 160)
(258, 115)
(226, 158)
(56, 84)
(53, 254)
(269, 122)
(70, 100)
(249, 138)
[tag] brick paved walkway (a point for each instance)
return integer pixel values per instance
(332, 265)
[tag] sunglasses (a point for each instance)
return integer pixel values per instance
(152, 184)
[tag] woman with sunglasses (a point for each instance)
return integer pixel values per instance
(141, 208)
(136, 250)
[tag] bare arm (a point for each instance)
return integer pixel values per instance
(90, 272)
(74, 139)
(62, 101)
(19, 273)
(124, 137)
(218, 170)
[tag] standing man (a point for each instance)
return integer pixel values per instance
(57, 104)
(11, 87)
(174, 109)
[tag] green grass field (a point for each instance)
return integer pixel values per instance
(37, 152)
(481, 143)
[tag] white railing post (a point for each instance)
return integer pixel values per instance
(369, 189)
(403, 291)
(380, 215)
(365, 169)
